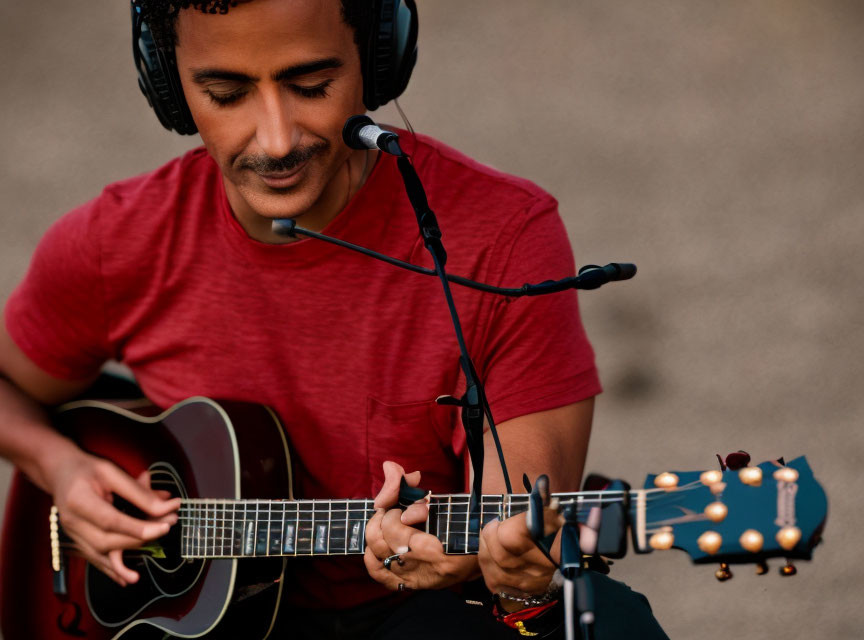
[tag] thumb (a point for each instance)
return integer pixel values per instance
(144, 479)
(389, 493)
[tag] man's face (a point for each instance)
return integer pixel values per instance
(270, 85)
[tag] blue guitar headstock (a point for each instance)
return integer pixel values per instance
(741, 516)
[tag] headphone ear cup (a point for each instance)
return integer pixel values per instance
(158, 79)
(392, 51)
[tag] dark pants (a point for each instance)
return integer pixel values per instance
(443, 615)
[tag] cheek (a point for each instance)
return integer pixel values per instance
(225, 132)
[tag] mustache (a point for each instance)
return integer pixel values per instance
(296, 157)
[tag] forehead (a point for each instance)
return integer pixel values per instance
(257, 31)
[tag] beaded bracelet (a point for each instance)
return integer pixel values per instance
(531, 601)
(549, 595)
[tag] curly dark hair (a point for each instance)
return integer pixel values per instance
(161, 16)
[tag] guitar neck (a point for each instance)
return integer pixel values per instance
(266, 528)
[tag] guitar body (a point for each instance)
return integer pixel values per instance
(192, 450)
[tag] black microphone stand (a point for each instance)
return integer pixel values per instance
(578, 594)
(474, 403)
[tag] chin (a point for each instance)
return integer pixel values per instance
(279, 206)
(287, 203)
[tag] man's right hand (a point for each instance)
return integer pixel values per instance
(83, 487)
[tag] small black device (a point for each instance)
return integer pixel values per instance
(388, 52)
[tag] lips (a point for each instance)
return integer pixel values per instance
(283, 179)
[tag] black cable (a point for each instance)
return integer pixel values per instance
(590, 276)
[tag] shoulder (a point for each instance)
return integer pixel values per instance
(162, 189)
(455, 178)
(501, 218)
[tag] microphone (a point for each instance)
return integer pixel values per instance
(592, 276)
(360, 132)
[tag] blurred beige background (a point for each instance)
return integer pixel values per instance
(718, 145)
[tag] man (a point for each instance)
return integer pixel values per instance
(179, 275)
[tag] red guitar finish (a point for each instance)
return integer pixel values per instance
(197, 441)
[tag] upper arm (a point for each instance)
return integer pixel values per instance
(54, 334)
(44, 388)
(554, 442)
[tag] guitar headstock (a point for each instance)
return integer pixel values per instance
(740, 516)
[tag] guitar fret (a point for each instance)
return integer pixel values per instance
(289, 535)
(346, 528)
(467, 520)
(447, 532)
(218, 537)
(249, 529)
(208, 538)
(237, 532)
(198, 532)
(267, 543)
(234, 547)
(319, 528)
(211, 528)
(303, 541)
(358, 516)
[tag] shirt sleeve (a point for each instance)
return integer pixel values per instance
(57, 314)
(536, 356)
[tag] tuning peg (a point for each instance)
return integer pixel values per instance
(786, 474)
(761, 568)
(751, 476)
(723, 573)
(663, 539)
(710, 477)
(788, 537)
(666, 480)
(751, 540)
(709, 542)
(716, 511)
(789, 569)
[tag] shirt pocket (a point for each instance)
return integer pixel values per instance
(418, 436)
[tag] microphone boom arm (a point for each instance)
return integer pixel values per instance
(590, 276)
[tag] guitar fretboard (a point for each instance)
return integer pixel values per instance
(261, 528)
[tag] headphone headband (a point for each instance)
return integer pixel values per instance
(388, 52)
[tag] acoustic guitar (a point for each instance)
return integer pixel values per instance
(219, 572)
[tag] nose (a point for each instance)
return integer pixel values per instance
(277, 132)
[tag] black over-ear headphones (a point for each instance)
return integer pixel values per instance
(388, 51)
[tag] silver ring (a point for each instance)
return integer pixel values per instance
(389, 560)
(401, 587)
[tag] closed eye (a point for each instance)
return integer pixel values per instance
(224, 99)
(317, 91)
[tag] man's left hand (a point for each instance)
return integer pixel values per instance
(421, 561)
(511, 562)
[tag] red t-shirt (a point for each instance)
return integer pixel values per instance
(157, 273)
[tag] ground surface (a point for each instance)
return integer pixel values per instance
(717, 145)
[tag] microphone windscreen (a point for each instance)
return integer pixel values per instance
(351, 131)
(626, 270)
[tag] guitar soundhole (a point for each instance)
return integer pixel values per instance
(164, 572)
(164, 478)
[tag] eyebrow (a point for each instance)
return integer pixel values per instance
(201, 76)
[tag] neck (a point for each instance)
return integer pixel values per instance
(253, 528)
